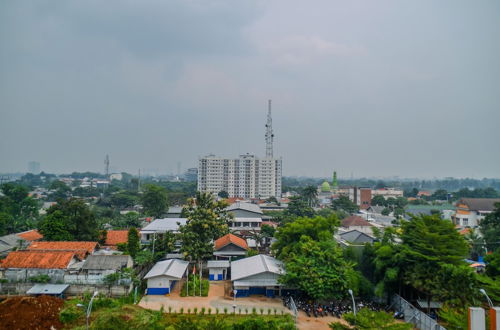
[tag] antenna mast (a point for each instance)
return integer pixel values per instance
(269, 133)
(106, 165)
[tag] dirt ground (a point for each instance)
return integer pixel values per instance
(216, 299)
(35, 313)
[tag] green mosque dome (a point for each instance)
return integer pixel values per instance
(325, 187)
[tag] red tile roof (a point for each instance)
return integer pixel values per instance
(113, 237)
(465, 231)
(38, 259)
(31, 235)
(81, 248)
(228, 239)
(355, 220)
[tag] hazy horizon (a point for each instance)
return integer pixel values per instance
(376, 89)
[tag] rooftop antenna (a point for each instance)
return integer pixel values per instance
(106, 166)
(269, 133)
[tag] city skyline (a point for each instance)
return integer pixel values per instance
(375, 89)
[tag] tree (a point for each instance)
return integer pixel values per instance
(223, 194)
(54, 227)
(154, 200)
(490, 228)
(76, 218)
(343, 203)
(123, 199)
(133, 244)
(22, 210)
(310, 195)
(207, 220)
(440, 194)
(378, 200)
(493, 266)
(298, 208)
(476, 244)
(317, 268)
(317, 228)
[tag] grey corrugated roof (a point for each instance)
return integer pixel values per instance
(48, 289)
(163, 225)
(255, 265)
(10, 241)
(218, 264)
(263, 282)
(175, 210)
(171, 267)
(104, 262)
(480, 204)
(245, 206)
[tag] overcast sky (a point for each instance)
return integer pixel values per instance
(372, 88)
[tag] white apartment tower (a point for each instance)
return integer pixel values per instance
(247, 176)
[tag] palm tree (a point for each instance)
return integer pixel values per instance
(476, 244)
(310, 195)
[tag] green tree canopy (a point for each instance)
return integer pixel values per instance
(133, 244)
(490, 228)
(154, 200)
(78, 220)
(19, 210)
(297, 207)
(343, 203)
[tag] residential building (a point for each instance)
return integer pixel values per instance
(230, 246)
(247, 176)
(160, 226)
(470, 211)
(355, 222)
(115, 237)
(388, 192)
(247, 217)
(18, 241)
(25, 264)
(257, 275)
(102, 265)
(360, 196)
(164, 274)
(81, 249)
(355, 237)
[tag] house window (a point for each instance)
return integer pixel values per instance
(465, 222)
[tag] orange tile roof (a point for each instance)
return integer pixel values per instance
(31, 235)
(38, 259)
(230, 238)
(355, 220)
(114, 237)
(81, 248)
(464, 231)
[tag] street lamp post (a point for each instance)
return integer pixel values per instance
(234, 301)
(483, 291)
(353, 304)
(89, 309)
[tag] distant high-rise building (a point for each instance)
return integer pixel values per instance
(247, 176)
(191, 174)
(34, 167)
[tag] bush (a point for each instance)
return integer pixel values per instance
(70, 314)
(368, 319)
(40, 278)
(194, 287)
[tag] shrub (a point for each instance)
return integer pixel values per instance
(202, 311)
(225, 310)
(367, 319)
(169, 309)
(189, 310)
(254, 310)
(70, 314)
(261, 311)
(216, 310)
(209, 310)
(194, 287)
(181, 311)
(42, 278)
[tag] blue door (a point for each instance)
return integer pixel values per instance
(211, 277)
(158, 291)
(219, 277)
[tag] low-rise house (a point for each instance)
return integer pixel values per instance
(257, 275)
(18, 241)
(103, 265)
(164, 274)
(247, 216)
(161, 226)
(81, 249)
(355, 237)
(470, 211)
(25, 264)
(217, 269)
(230, 246)
(355, 222)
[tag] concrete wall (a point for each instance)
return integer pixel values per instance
(73, 290)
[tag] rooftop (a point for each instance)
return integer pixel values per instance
(104, 262)
(163, 225)
(81, 248)
(245, 206)
(355, 220)
(113, 237)
(170, 267)
(38, 259)
(255, 265)
(480, 204)
(228, 239)
(30, 235)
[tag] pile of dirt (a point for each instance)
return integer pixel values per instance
(31, 313)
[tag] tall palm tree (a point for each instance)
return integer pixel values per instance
(310, 195)
(476, 244)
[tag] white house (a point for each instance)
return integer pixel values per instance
(162, 277)
(160, 226)
(257, 275)
(217, 269)
(470, 211)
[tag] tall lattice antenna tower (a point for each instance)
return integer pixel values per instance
(269, 133)
(106, 165)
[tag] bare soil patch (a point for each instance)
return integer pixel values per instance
(22, 312)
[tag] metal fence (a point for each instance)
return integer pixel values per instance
(415, 316)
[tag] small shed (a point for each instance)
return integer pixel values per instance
(257, 275)
(230, 246)
(217, 269)
(48, 289)
(164, 274)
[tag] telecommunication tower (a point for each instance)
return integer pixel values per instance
(269, 133)
(106, 166)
